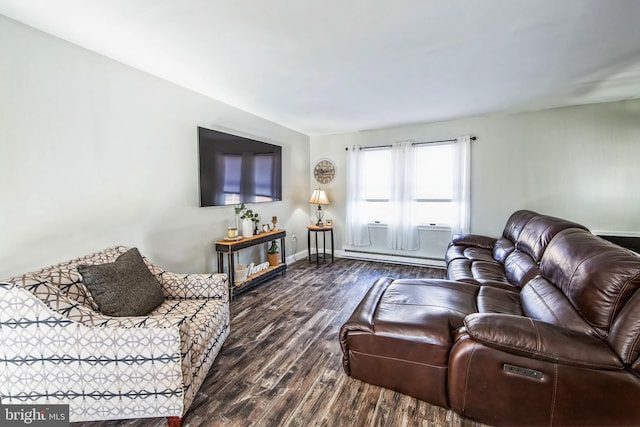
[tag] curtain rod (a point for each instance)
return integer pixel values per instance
(373, 147)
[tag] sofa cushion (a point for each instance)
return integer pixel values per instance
(484, 271)
(124, 287)
(460, 270)
(493, 299)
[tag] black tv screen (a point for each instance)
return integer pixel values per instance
(234, 169)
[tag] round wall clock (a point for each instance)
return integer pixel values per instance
(324, 171)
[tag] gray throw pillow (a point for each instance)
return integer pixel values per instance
(124, 287)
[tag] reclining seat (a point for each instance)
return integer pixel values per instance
(510, 261)
(562, 350)
(572, 358)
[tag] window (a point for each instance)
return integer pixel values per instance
(433, 198)
(406, 185)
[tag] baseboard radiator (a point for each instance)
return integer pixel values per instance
(433, 245)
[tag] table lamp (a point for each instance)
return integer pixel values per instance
(319, 197)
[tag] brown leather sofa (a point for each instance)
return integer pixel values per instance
(540, 327)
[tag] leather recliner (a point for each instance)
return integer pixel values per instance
(558, 344)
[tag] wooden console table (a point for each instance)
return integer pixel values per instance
(230, 247)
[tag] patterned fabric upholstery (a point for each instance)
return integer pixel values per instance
(55, 347)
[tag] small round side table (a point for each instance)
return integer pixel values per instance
(319, 229)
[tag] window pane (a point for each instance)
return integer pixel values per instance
(375, 212)
(377, 174)
(434, 172)
(440, 213)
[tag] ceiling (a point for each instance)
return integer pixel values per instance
(334, 66)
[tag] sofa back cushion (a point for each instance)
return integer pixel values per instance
(519, 268)
(68, 280)
(502, 249)
(538, 232)
(521, 264)
(542, 300)
(506, 244)
(516, 223)
(596, 276)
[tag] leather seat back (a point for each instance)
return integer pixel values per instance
(597, 277)
(522, 264)
(538, 232)
(507, 243)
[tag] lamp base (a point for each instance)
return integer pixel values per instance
(319, 215)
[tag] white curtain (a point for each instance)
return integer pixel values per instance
(462, 185)
(357, 229)
(401, 232)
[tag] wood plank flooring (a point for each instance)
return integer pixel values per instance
(282, 366)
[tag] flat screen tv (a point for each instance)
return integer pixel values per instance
(234, 169)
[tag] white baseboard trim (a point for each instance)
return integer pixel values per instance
(394, 259)
(365, 256)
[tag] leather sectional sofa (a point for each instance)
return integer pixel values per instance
(538, 327)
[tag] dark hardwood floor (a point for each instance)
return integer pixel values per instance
(281, 364)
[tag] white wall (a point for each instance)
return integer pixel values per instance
(94, 153)
(579, 163)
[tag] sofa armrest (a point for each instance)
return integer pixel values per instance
(475, 240)
(361, 319)
(540, 340)
(184, 286)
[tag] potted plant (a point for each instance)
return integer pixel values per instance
(273, 254)
(238, 210)
(249, 219)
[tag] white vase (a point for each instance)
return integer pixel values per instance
(247, 228)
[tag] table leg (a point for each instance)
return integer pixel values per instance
(283, 253)
(232, 271)
(332, 246)
(324, 246)
(309, 245)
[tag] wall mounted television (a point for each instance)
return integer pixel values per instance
(234, 169)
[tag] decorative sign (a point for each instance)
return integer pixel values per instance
(253, 268)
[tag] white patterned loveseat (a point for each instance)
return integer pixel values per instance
(56, 347)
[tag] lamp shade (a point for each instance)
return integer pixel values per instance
(319, 197)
